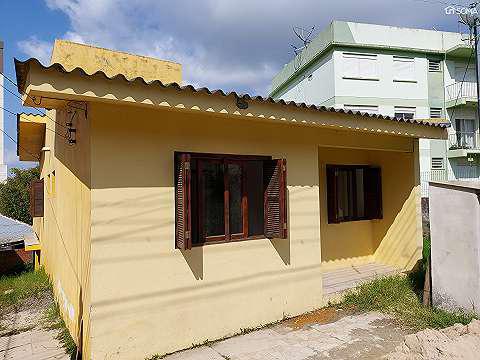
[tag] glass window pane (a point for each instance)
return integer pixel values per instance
(254, 185)
(360, 193)
(213, 195)
(235, 198)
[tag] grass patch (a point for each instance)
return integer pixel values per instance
(398, 295)
(54, 321)
(14, 289)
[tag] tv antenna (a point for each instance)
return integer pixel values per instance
(304, 35)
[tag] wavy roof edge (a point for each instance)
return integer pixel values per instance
(21, 69)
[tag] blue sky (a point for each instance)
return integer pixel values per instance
(224, 44)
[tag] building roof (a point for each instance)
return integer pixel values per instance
(22, 68)
(13, 232)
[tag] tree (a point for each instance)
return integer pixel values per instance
(15, 194)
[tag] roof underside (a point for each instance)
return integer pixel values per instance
(22, 68)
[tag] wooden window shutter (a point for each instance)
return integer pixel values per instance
(332, 201)
(183, 238)
(373, 193)
(275, 198)
(36, 198)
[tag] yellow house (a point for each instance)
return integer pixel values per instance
(172, 215)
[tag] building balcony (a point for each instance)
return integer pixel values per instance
(460, 144)
(458, 93)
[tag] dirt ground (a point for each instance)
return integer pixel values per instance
(22, 334)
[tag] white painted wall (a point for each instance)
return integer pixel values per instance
(455, 236)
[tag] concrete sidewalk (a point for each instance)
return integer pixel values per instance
(32, 345)
(363, 336)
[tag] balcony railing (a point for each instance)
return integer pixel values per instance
(461, 90)
(464, 140)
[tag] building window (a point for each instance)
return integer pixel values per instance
(434, 65)
(354, 192)
(360, 66)
(405, 113)
(371, 109)
(36, 198)
(403, 69)
(437, 163)
(435, 113)
(221, 198)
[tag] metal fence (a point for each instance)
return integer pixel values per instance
(462, 173)
(461, 90)
(463, 140)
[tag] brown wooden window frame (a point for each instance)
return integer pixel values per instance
(37, 198)
(372, 193)
(190, 209)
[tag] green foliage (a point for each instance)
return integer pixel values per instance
(15, 194)
(54, 321)
(14, 289)
(396, 295)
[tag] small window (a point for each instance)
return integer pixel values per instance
(354, 192)
(36, 198)
(221, 198)
(437, 163)
(406, 113)
(360, 66)
(371, 109)
(435, 113)
(403, 69)
(434, 65)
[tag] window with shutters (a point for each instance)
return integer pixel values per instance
(360, 66)
(354, 192)
(36, 198)
(435, 113)
(403, 69)
(434, 65)
(402, 112)
(221, 198)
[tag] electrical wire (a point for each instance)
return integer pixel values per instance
(24, 93)
(23, 117)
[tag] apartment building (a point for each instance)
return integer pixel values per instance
(408, 73)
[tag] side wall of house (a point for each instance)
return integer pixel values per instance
(64, 230)
(148, 297)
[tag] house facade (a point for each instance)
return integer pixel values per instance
(402, 72)
(231, 212)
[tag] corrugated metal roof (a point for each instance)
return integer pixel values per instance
(13, 231)
(22, 68)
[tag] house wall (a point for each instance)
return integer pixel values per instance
(64, 230)
(146, 296)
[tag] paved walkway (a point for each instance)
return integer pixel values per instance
(338, 280)
(32, 345)
(364, 336)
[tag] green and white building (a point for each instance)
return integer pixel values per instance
(411, 73)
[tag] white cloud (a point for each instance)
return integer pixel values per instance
(36, 48)
(227, 44)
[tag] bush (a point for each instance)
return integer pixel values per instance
(15, 194)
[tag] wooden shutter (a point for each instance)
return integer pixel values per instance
(36, 198)
(183, 238)
(332, 201)
(373, 193)
(275, 198)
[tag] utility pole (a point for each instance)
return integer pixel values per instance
(477, 75)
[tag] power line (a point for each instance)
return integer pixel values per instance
(14, 114)
(24, 93)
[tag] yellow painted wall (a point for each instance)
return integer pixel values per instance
(146, 296)
(64, 231)
(93, 59)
